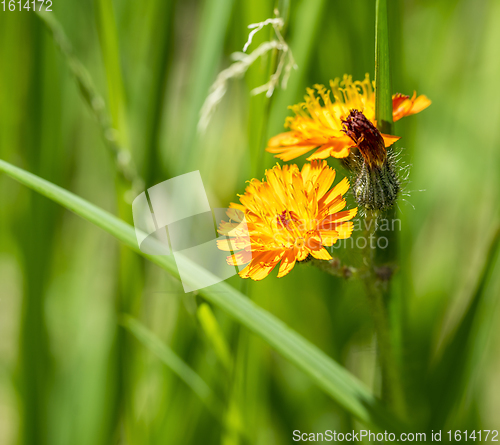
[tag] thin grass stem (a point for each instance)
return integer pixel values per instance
(381, 263)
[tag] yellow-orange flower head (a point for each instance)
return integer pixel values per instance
(290, 215)
(318, 121)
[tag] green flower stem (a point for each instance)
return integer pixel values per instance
(391, 384)
(381, 263)
(334, 267)
(376, 278)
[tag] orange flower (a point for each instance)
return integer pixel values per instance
(319, 125)
(289, 216)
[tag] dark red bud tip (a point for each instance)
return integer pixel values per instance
(366, 137)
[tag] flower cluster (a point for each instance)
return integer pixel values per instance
(292, 215)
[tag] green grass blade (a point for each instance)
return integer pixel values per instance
(129, 270)
(175, 363)
(390, 352)
(214, 335)
(44, 153)
(304, 30)
(211, 33)
(449, 375)
(383, 89)
(162, 43)
(332, 378)
(108, 36)
(93, 99)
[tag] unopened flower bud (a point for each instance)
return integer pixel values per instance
(376, 184)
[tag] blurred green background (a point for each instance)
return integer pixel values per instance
(71, 374)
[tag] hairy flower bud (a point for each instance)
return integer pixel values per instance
(376, 184)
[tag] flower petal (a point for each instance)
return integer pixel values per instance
(389, 139)
(405, 106)
(239, 259)
(262, 265)
(329, 238)
(344, 229)
(286, 139)
(329, 223)
(420, 104)
(287, 263)
(321, 254)
(323, 152)
(292, 152)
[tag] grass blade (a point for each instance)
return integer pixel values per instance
(175, 363)
(379, 293)
(108, 36)
(383, 89)
(215, 336)
(305, 30)
(332, 378)
(94, 100)
(447, 387)
(209, 46)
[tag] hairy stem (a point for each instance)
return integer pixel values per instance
(377, 284)
(336, 268)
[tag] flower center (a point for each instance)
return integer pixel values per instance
(285, 219)
(299, 243)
